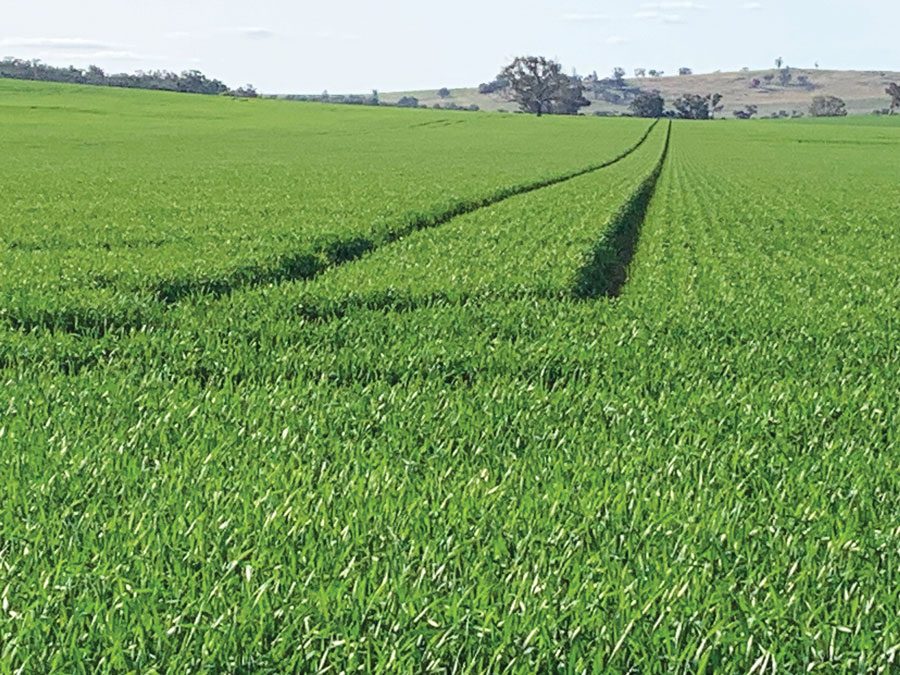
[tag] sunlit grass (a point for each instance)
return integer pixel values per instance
(437, 458)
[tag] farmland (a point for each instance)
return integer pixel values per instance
(863, 91)
(295, 388)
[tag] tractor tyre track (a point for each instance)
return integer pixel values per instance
(294, 266)
(606, 271)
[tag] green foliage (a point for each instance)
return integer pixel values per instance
(539, 86)
(437, 454)
(189, 81)
(893, 90)
(747, 113)
(408, 102)
(828, 106)
(226, 197)
(648, 104)
(785, 76)
(697, 107)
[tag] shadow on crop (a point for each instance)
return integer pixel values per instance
(606, 270)
(297, 266)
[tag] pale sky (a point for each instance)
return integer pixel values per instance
(348, 46)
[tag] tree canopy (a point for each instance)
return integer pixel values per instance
(190, 81)
(828, 106)
(697, 107)
(893, 90)
(748, 112)
(648, 104)
(539, 86)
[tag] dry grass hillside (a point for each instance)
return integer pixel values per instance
(863, 91)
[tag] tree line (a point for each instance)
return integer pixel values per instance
(893, 90)
(697, 107)
(376, 100)
(539, 86)
(188, 81)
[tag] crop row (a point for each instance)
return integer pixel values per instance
(140, 220)
(524, 251)
(529, 244)
(485, 472)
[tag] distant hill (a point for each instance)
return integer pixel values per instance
(863, 91)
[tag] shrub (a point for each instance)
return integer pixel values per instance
(746, 113)
(697, 107)
(648, 104)
(828, 106)
(498, 84)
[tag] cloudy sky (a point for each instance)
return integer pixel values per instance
(285, 46)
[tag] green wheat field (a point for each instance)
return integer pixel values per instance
(305, 388)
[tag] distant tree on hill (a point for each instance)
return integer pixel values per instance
(189, 81)
(619, 75)
(697, 107)
(640, 72)
(539, 86)
(893, 90)
(534, 82)
(785, 76)
(715, 104)
(571, 103)
(656, 73)
(685, 71)
(375, 100)
(648, 104)
(408, 102)
(745, 114)
(247, 91)
(94, 75)
(443, 92)
(828, 106)
(455, 106)
(571, 99)
(779, 62)
(499, 84)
